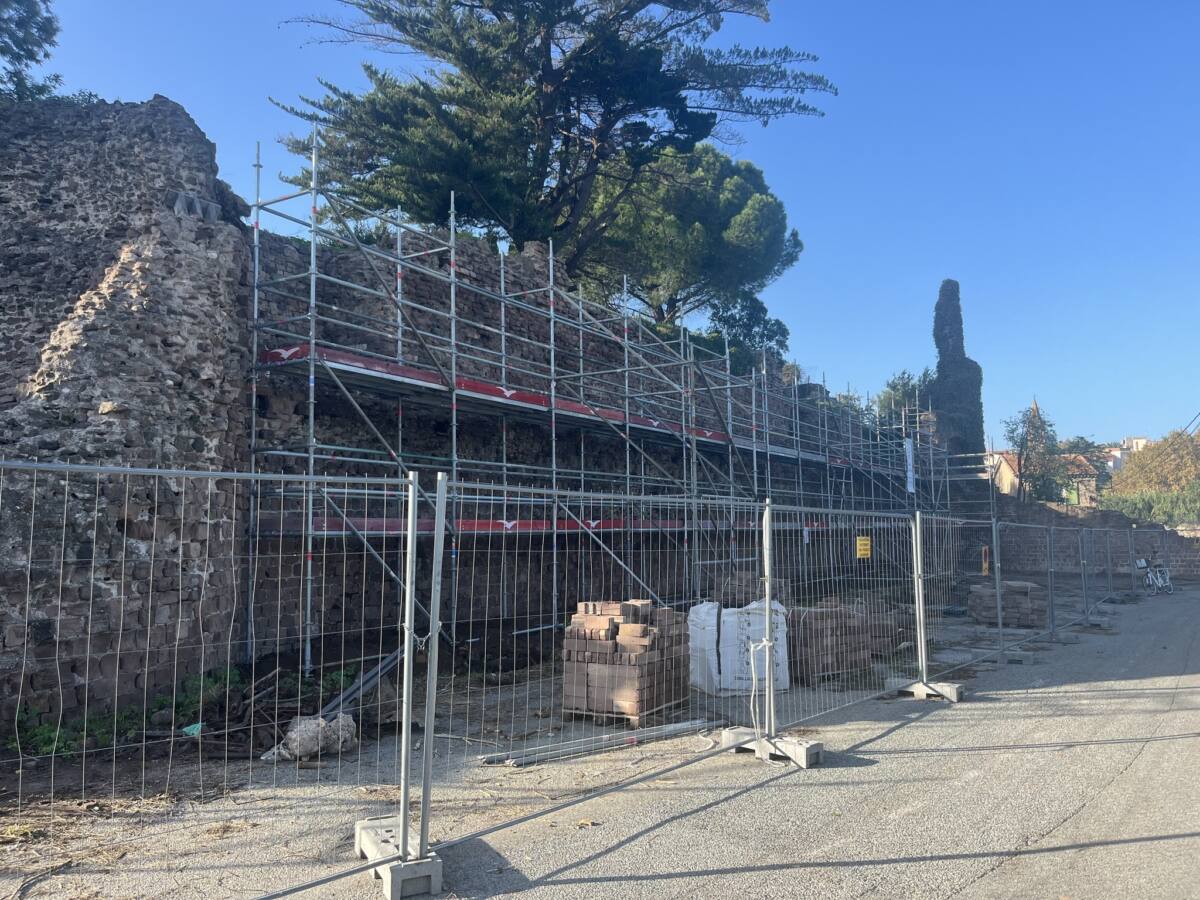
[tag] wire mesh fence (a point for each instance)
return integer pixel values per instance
(570, 614)
(845, 582)
(194, 635)
(156, 647)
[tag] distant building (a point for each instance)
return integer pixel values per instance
(1082, 487)
(1003, 464)
(1120, 453)
(1083, 481)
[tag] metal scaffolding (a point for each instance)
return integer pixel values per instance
(578, 368)
(378, 322)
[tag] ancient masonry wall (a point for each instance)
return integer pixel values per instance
(1024, 550)
(123, 341)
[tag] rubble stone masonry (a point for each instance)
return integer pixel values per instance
(123, 341)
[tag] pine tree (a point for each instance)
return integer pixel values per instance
(28, 30)
(526, 109)
(1040, 471)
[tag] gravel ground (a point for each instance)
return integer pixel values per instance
(1072, 775)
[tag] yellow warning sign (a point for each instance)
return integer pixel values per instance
(862, 547)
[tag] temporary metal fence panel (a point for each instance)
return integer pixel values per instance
(166, 630)
(844, 587)
(569, 614)
(963, 621)
(586, 623)
(1078, 582)
(1029, 593)
(154, 654)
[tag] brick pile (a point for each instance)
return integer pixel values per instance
(883, 627)
(828, 640)
(739, 587)
(1026, 605)
(886, 622)
(742, 586)
(625, 659)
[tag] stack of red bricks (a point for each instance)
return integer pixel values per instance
(884, 628)
(1026, 604)
(740, 587)
(827, 640)
(625, 658)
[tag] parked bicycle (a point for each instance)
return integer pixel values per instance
(1155, 576)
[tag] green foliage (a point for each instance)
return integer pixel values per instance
(199, 693)
(333, 683)
(28, 29)
(1167, 466)
(1160, 483)
(695, 233)
(196, 697)
(97, 732)
(853, 401)
(1039, 464)
(1094, 453)
(904, 389)
(82, 98)
(948, 322)
(290, 684)
(525, 109)
(1171, 508)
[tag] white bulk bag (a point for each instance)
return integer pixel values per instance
(720, 641)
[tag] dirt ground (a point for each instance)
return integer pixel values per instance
(239, 828)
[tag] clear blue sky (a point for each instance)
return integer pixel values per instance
(1047, 155)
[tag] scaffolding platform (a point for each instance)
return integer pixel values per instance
(380, 526)
(390, 377)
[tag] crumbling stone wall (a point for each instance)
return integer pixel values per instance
(122, 342)
(1024, 549)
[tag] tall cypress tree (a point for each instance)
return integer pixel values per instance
(956, 394)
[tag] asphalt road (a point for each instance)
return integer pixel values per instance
(1074, 775)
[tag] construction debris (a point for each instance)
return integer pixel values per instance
(309, 736)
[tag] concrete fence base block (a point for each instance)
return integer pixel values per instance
(380, 837)
(928, 690)
(805, 754)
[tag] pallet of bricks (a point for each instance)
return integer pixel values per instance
(830, 639)
(883, 627)
(625, 659)
(741, 587)
(1026, 605)
(886, 623)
